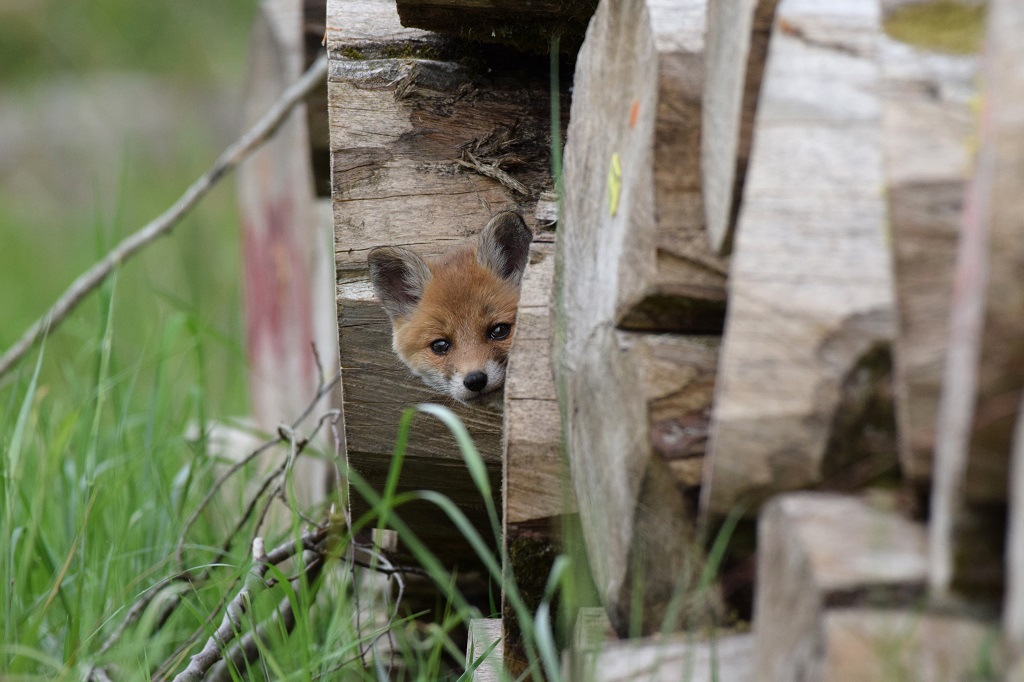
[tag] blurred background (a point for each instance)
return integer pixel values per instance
(108, 110)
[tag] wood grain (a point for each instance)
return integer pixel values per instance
(810, 316)
(632, 254)
(405, 107)
(737, 46)
(927, 125)
(537, 491)
(484, 633)
(1013, 601)
(984, 372)
(695, 659)
(820, 551)
(535, 482)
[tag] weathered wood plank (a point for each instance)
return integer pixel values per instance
(287, 265)
(984, 372)
(871, 644)
(806, 349)
(1013, 602)
(408, 110)
(636, 104)
(537, 492)
(818, 551)
(527, 26)
(632, 253)
(726, 657)
(737, 45)
(927, 124)
(535, 482)
(485, 641)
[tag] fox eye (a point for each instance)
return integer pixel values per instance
(499, 331)
(441, 346)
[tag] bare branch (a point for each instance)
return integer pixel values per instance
(247, 649)
(165, 222)
(230, 624)
(235, 468)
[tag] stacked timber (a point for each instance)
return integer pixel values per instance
(429, 137)
(640, 300)
(802, 396)
(822, 199)
(826, 136)
(984, 374)
(927, 122)
(847, 576)
(737, 46)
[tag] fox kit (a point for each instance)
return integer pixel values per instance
(452, 318)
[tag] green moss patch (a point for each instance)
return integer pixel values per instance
(944, 26)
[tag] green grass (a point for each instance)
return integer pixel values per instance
(191, 40)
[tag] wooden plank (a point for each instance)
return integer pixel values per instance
(525, 26)
(695, 659)
(737, 46)
(635, 513)
(632, 253)
(535, 481)
(408, 109)
(871, 644)
(1013, 602)
(927, 126)
(985, 363)
(536, 489)
(818, 551)
(657, 273)
(287, 265)
(484, 641)
(805, 358)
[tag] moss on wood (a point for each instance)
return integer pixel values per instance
(944, 26)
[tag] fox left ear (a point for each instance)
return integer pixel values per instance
(505, 246)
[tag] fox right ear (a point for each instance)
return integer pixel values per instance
(399, 278)
(504, 246)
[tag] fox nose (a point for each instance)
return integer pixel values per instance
(475, 381)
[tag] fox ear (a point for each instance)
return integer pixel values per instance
(505, 245)
(399, 278)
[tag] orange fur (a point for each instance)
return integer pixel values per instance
(462, 301)
(453, 318)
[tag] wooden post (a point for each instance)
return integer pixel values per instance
(485, 634)
(805, 360)
(537, 494)
(1013, 603)
(985, 362)
(632, 254)
(737, 46)
(287, 261)
(927, 124)
(419, 133)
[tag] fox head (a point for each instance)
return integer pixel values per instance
(453, 317)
